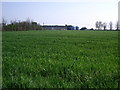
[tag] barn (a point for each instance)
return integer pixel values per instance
(58, 27)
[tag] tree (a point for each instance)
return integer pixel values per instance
(28, 23)
(13, 25)
(117, 25)
(4, 23)
(34, 25)
(99, 25)
(111, 25)
(104, 25)
(0, 26)
(28, 20)
(21, 25)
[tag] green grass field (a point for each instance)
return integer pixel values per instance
(60, 59)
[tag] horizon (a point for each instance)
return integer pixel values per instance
(81, 14)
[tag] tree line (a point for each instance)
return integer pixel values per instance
(20, 25)
(31, 25)
(103, 25)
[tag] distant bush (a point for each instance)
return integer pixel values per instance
(21, 26)
(83, 28)
(91, 29)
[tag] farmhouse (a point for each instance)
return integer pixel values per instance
(57, 27)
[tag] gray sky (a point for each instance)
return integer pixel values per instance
(82, 13)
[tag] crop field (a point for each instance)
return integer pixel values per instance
(60, 59)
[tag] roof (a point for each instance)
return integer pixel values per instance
(57, 26)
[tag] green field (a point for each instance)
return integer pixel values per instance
(60, 59)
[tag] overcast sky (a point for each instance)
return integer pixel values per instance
(82, 13)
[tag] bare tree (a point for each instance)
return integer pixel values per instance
(4, 22)
(111, 25)
(28, 20)
(104, 25)
(99, 25)
(117, 25)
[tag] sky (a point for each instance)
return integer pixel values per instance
(82, 13)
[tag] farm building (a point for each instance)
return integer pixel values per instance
(57, 27)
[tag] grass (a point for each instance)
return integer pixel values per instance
(60, 59)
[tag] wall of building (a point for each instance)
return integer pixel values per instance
(59, 27)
